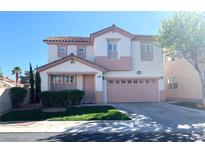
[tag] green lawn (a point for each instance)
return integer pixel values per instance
(71, 113)
(192, 105)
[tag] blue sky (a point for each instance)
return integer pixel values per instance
(21, 33)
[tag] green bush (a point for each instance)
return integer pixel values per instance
(61, 98)
(17, 96)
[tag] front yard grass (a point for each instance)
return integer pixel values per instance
(71, 114)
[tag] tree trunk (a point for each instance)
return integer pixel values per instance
(203, 89)
(17, 79)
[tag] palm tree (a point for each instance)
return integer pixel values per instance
(17, 71)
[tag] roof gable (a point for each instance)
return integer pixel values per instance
(71, 57)
(112, 28)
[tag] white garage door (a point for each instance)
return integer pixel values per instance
(132, 90)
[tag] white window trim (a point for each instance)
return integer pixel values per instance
(117, 46)
(74, 80)
(172, 83)
(85, 54)
(63, 79)
(141, 52)
(59, 50)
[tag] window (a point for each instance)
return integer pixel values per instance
(146, 81)
(135, 81)
(60, 79)
(129, 81)
(81, 52)
(123, 81)
(117, 81)
(172, 84)
(146, 51)
(61, 52)
(57, 79)
(112, 49)
(69, 79)
(110, 81)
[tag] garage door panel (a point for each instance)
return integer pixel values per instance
(138, 91)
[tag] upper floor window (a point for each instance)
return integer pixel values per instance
(112, 46)
(61, 51)
(81, 52)
(146, 51)
(172, 83)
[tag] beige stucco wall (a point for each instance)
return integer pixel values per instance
(124, 46)
(53, 52)
(152, 68)
(5, 103)
(187, 78)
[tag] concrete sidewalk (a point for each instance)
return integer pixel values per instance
(68, 126)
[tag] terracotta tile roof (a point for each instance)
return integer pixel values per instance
(67, 39)
(79, 39)
(6, 82)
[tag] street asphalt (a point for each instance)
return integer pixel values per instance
(102, 137)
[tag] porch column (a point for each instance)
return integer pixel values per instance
(161, 92)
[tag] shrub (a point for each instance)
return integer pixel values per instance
(61, 98)
(47, 98)
(76, 96)
(17, 96)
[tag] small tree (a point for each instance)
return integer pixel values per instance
(17, 71)
(38, 86)
(183, 36)
(31, 80)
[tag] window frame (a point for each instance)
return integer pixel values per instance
(55, 79)
(69, 80)
(112, 54)
(65, 47)
(172, 83)
(84, 54)
(143, 58)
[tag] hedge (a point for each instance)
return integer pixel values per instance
(61, 98)
(17, 96)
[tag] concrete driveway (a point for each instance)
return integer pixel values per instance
(164, 117)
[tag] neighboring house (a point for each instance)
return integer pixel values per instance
(5, 85)
(182, 82)
(112, 65)
(5, 82)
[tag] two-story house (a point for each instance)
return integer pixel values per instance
(112, 65)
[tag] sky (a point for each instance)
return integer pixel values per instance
(22, 33)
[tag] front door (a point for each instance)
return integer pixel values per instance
(89, 88)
